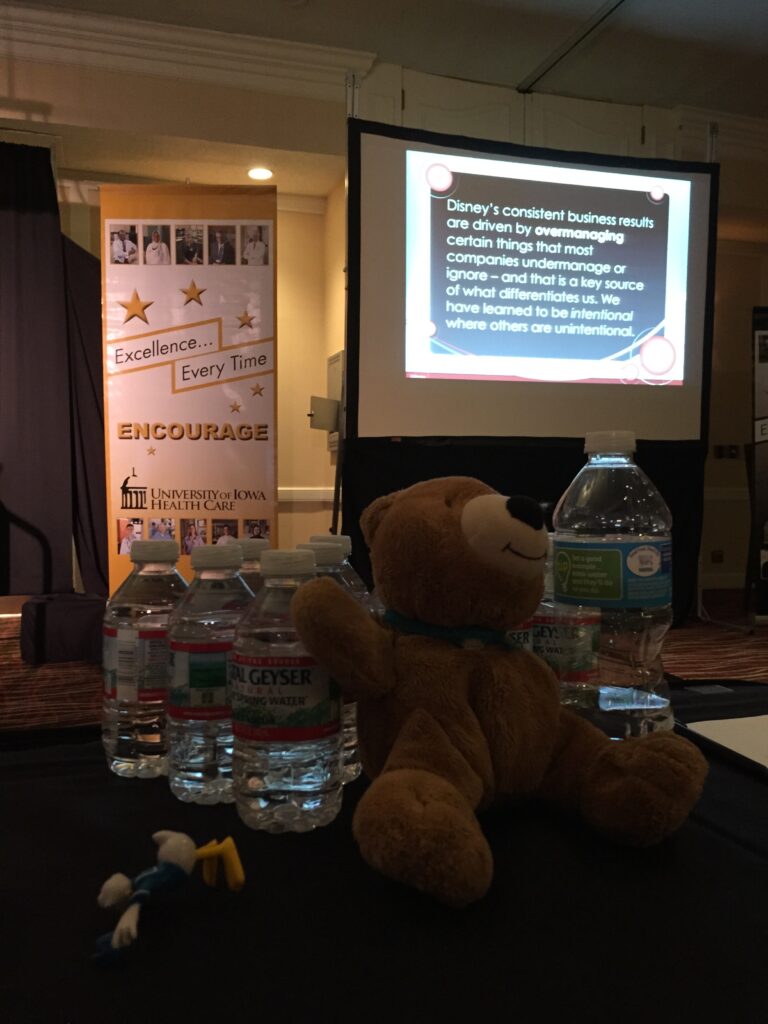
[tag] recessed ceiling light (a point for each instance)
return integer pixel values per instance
(260, 173)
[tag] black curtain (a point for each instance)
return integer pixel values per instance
(35, 411)
(51, 424)
(541, 468)
(89, 487)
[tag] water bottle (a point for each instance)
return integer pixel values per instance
(567, 638)
(251, 567)
(200, 634)
(331, 561)
(286, 711)
(369, 599)
(135, 661)
(353, 581)
(613, 551)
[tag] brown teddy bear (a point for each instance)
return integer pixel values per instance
(449, 718)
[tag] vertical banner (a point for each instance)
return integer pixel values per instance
(188, 312)
(759, 546)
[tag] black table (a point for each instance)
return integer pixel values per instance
(574, 928)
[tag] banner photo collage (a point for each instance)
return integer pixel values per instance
(188, 309)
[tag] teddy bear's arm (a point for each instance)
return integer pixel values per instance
(341, 634)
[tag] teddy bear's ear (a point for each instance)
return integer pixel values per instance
(373, 515)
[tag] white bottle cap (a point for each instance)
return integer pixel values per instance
(276, 562)
(609, 441)
(326, 553)
(333, 538)
(154, 551)
(217, 556)
(253, 547)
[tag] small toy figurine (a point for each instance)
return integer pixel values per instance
(176, 859)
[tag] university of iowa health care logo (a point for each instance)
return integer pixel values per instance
(132, 496)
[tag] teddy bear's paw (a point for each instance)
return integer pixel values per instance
(415, 827)
(639, 791)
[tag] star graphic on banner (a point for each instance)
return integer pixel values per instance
(246, 319)
(257, 389)
(135, 308)
(235, 407)
(151, 451)
(193, 293)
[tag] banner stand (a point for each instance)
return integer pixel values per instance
(190, 385)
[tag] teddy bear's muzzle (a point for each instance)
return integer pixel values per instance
(506, 533)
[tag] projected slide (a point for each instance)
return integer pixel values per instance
(538, 272)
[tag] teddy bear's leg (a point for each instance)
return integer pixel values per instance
(636, 791)
(416, 822)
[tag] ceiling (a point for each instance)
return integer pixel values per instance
(665, 53)
(702, 53)
(163, 158)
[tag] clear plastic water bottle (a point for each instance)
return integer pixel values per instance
(568, 639)
(286, 711)
(613, 551)
(251, 567)
(200, 634)
(331, 561)
(352, 579)
(135, 661)
(369, 599)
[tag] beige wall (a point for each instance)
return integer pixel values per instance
(335, 268)
(741, 283)
(303, 459)
(311, 318)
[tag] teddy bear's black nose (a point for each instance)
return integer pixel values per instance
(526, 510)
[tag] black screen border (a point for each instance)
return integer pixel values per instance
(357, 128)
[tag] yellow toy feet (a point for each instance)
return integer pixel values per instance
(233, 867)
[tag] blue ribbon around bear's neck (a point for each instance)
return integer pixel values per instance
(454, 635)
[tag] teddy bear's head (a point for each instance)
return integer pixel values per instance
(453, 552)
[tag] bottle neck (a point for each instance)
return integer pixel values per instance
(334, 569)
(216, 574)
(154, 568)
(611, 459)
(287, 582)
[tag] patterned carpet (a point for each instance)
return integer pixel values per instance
(44, 696)
(704, 650)
(48, 696)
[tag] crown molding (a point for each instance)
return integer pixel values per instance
(171, 51)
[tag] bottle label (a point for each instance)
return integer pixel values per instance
(520, 638)
(198, 681)
(282, 699)
(569, 643)
(614, 574)
(135, 664)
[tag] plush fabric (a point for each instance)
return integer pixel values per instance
(449, 726)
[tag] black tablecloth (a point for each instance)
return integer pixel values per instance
(574, 928)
